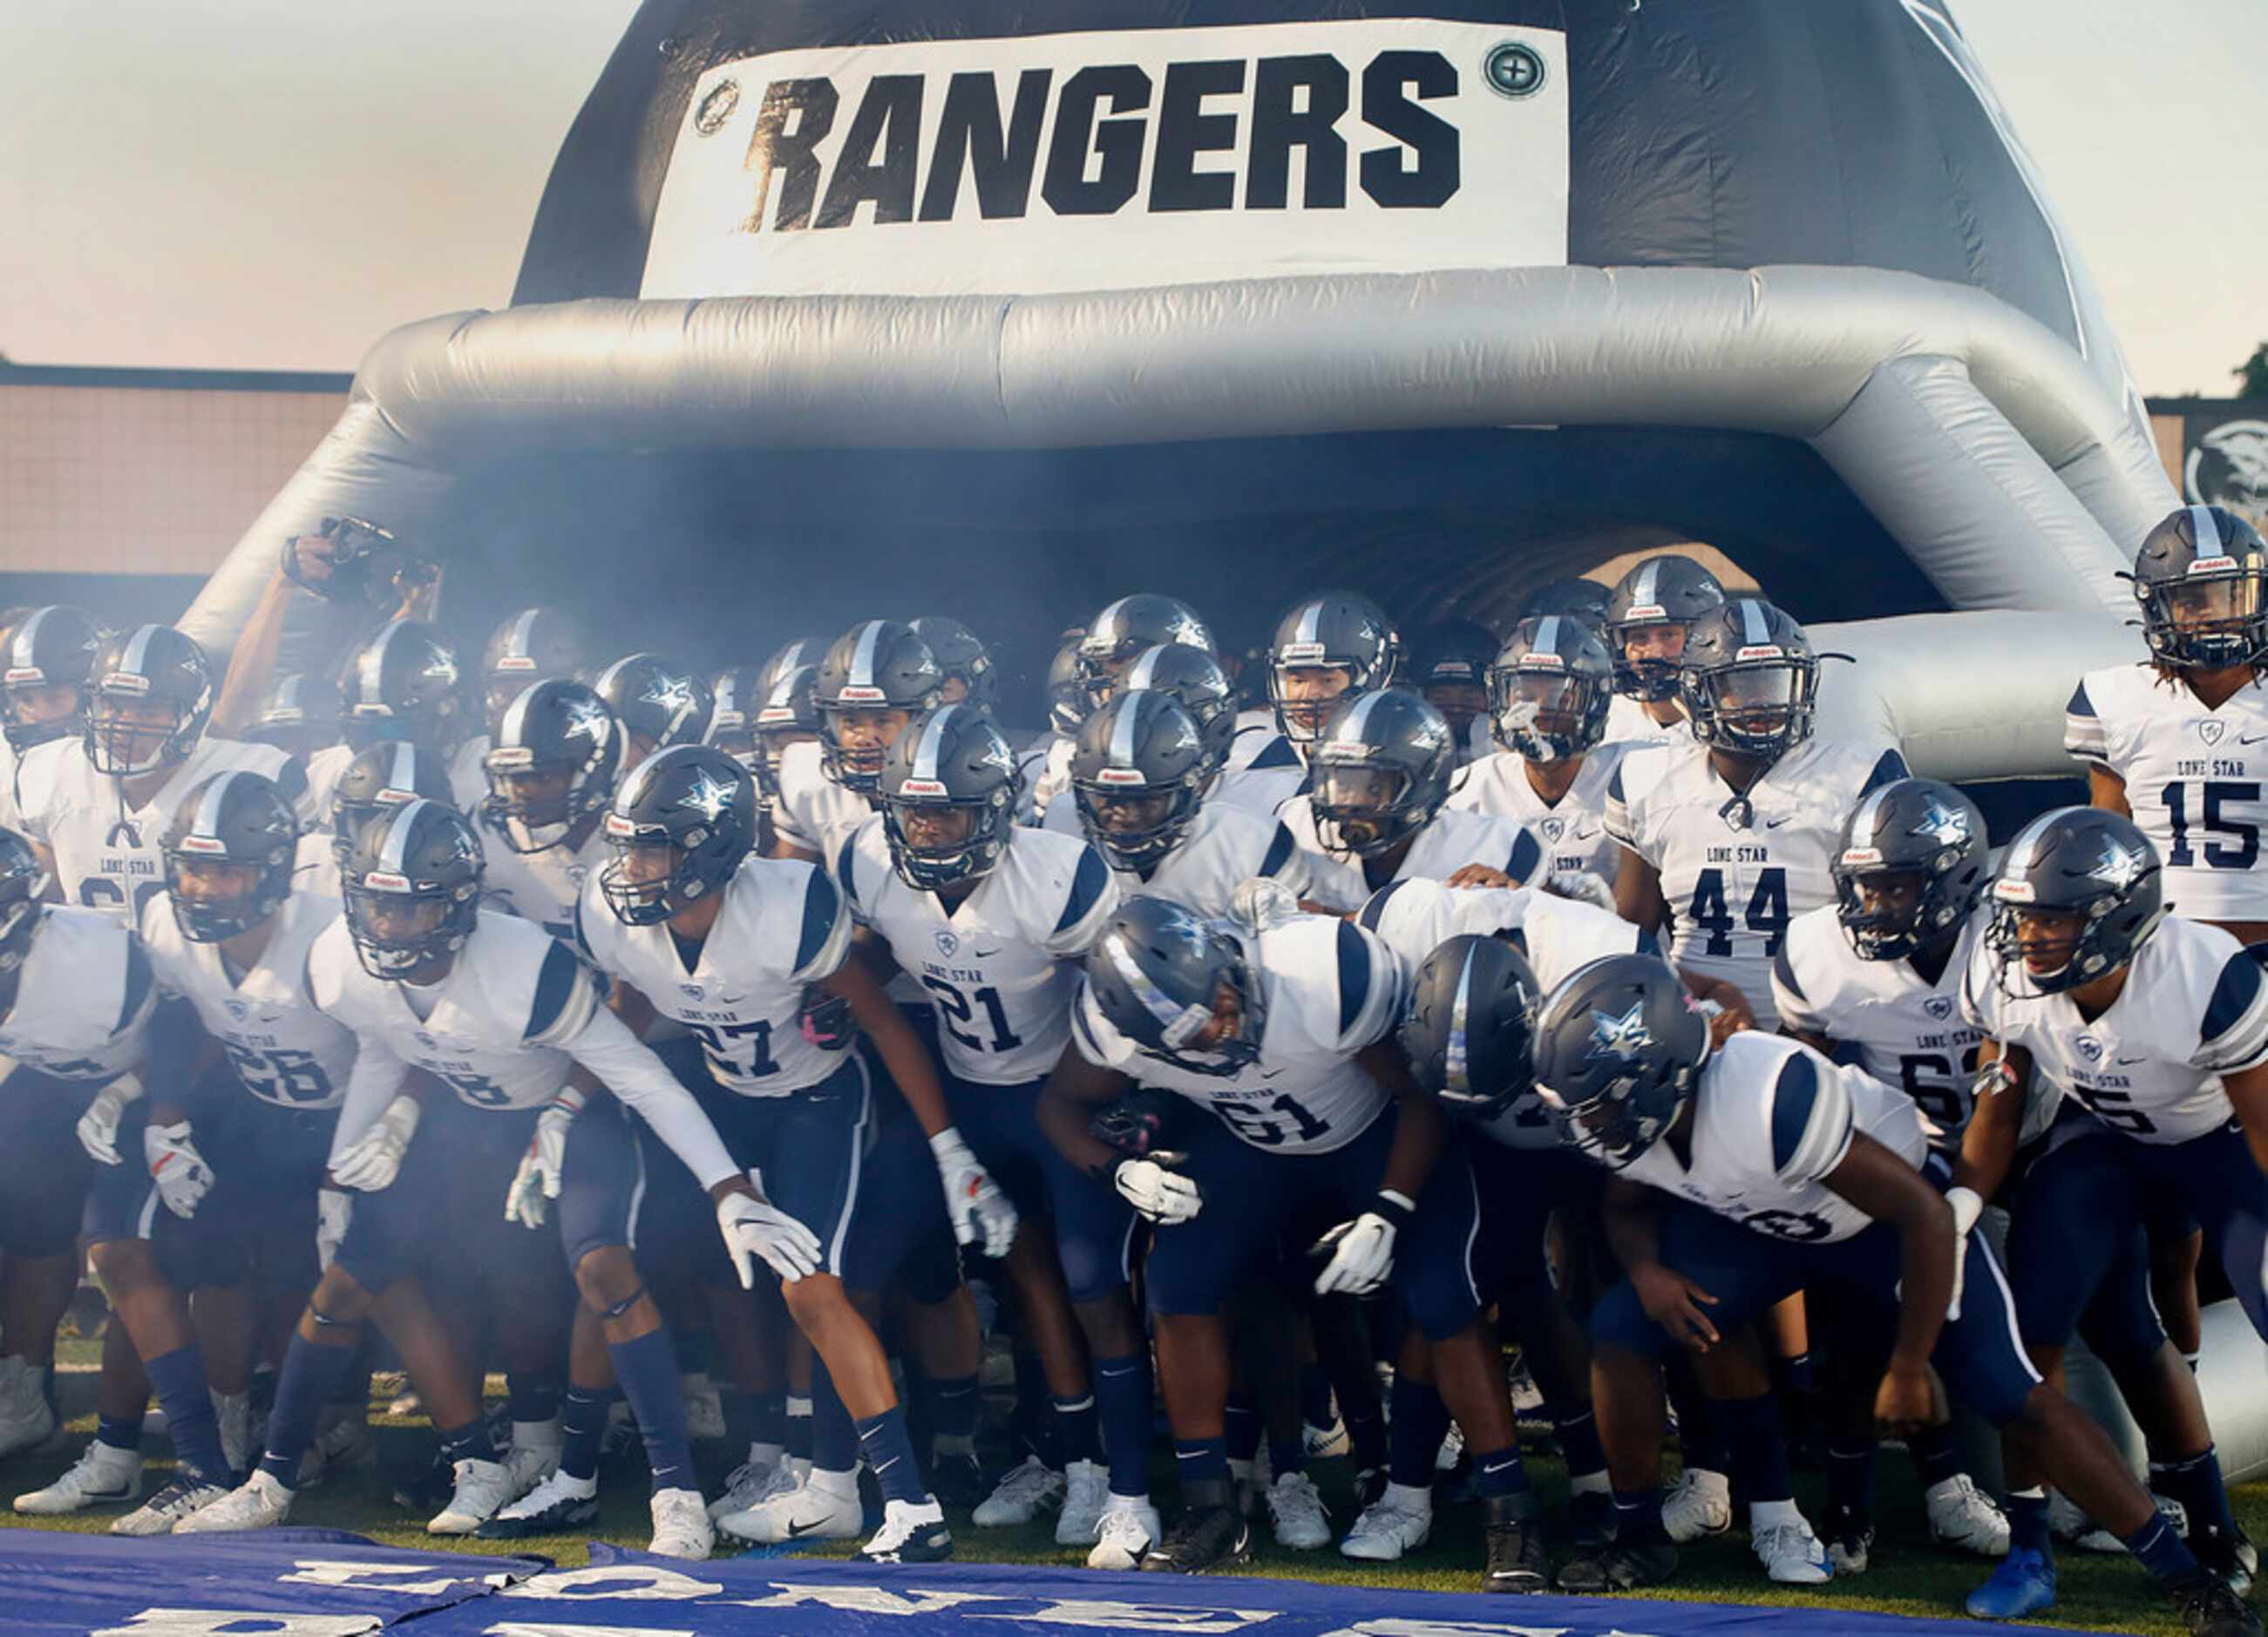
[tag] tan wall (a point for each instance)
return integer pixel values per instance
(137, 480)
(2165, 431)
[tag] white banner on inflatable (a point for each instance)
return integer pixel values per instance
(1116, 160)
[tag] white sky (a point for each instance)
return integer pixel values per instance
(269, 184)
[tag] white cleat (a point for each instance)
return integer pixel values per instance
(1021, 1495)
(233, 1410)
(1699, 1504)
(1964, 1516)
(26, 1419)
(162, 1513)
(1399, 1521)
(751, 1485)
(912, 1531)
(1086, 1491)
(259, 1503)
(1321, 1443)
(681, 1527)
(2067, 1524)
(483, 1489)
(1296, 1512)
(1791, 1554)
(557, 1506)
(815, 1511)
(101, 1477)
(1128, 1530)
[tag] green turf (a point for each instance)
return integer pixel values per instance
(1908, 1577)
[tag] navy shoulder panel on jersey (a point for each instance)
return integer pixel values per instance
(1648, 944)
(846, 862)
(1280, 848)
(822, 906)
(555, 987)
(1793, 1100)
(1890, 769)
(1354, 974)
(1087, 885)
(1527, 854)
(1784, 972)
(137, 983)
(1615, 784)
(1375, 910)
(582, 938)
(2234, 995)
(2080, 704)
(1277, 755)
(291, 782)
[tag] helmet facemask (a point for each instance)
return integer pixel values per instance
(1363, 809)
(1305, 692)
(39, 711)
(1134, 824)
(1759, 711)
(1545, 713)
(855, 741)
(1645, 654)
(936, 842)
(400, 930)
(200, 883)
(647, 876)
(2207, 621)
(1217, 1037)
(533, 804)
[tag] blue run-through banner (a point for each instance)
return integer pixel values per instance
(304, 1583)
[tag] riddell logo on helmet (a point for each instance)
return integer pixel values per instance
(1646, 613)
(203, 844)
(2013, 891)
(618, 825)
(124, 682)
(385, 880)
(1120, 775)
(1302, 653)
(1768, 651)
(23, 673)
(2214, 566)
(858, 693)
(923, 787)
(1855, 857)
(516, 663)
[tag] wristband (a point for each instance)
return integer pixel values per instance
(1396, 1208)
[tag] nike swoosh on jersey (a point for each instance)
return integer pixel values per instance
(2252, 739)
(985, 955)
(1776, 823)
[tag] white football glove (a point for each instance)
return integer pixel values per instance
(1157, 1192)
(1967, 1207)
(972, 1200)
(1263, 902)
(97, 1127)
(537, 1180)
(756, 1227)
(1582, 886)
(182, 1177)
(372, 1161)
(1362, 1252)
(334, 1211)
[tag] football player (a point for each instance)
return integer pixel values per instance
(696, 929)
(738, 691)
(988, 916)
(254, 1077)
(377, 781)
(1727, 840)
(75, 1003)
(658, 702)
(514, 1027)
(1043, 769)
(1194, 678)
(297, 714)
(1452, 672)
(1549, 689)
(533, 645)
(1780, 1171)
(874, 679)
(1651, 610)
(98, 806)
(45, 657)
(2153, 1029)
(1382, 769)
(1283, 1037)
(1336, 644)
(1139, 780)
(401, 684)
(1127, 629)
(961, 659)
(552, 767)
(786, 716)
(1584, 599)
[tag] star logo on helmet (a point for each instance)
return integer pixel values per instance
(674, 694)
(1948, 827)
(2119, 866)
(1624, 1037)
(709, 795)
(586, 719)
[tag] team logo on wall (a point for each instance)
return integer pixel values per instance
(2229, 466)
(1114, 159)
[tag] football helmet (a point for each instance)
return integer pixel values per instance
(656, 700)
(1138, 772)
(1452, 671)
(1157, 975)
(1549, 687)
(49, 648)
(23, 893)
(695, 804)
(876, 668)
(1749, 680)
(2078, 890)
(738, 692)
(401, 685)
(297, 714)
(960, 657)
(949, 794)
(151, 695)
(1382, 771)
(1066, 694)
(2199, 577)
(1909, 868)
(1664, 593)
(788, 715)
(1619, 1047)
(1584, 599)
(1470, 1029)
(1128, 626)
(1337, 631)
(531, 645)
(377, 781)
(413, 888)
(231, 819)
(554, 762)
(790, 656)
(1194, 677)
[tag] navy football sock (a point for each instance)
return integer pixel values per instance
(583, 1429)
(647, 1370)
(1242, 1423)
(1936, 1454)
(1201, 1460)
(1850, 1480)
(953, 1408)
(833, 1437)
(890, 1452)
(795, 1435)
(2159, 1550)
(1755, 1442)
(1638, 1518)
(2196, 1484)
(2027, 1523)
(1420, 1421)
(179, 1378)
(1500, 1472)
(310, 1376)
(1579, 1442)
(122, 1432)
(1076, 1426)
(532, 1398)
(1121, 1394)
(469, 1442)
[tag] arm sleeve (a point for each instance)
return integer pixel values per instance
(2234, 1037)
(378, 1079)
(601, 1043)
(1811, 1120)
(2084, 735)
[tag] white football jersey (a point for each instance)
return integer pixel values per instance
(814, 813)
(1446, 845)
(325, 768)
(108, 857)
(1629, 722)
(1415, 917)
(2193, 782)
(540, 887)
(12, 817)
(1330, 990)
(1264, 772)
(1226, 846)
(84, 997)
(1732, 888)
(2194, 1008)
(1771, 1117)
(1573, 832)
(784, 925)
(284, 1049)
(995, 967)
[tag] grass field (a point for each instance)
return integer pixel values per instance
(1907, 1578)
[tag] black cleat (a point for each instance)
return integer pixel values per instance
(2232, 1557)
(547, 1509)
(1517, 1561)
(2210, 1609)
(1619, 1568)
(957, 1480)
(430, 1490)
(1210, 1534)
(1590, 1521)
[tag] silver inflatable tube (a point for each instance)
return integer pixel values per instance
(2231, 1366)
